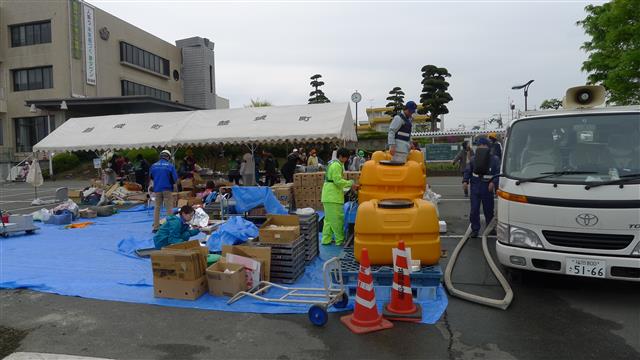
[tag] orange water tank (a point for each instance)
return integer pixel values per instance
(380, 224)
(382, 178)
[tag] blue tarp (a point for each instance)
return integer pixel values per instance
(98, 262)
(250, 197)
(233, 232)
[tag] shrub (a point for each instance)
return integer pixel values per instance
(151, 155)
(65, 161)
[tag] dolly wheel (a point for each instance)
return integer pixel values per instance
(318, 315)
(344, 301)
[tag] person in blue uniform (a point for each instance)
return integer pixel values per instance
(478, 176)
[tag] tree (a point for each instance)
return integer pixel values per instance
(614, 49)
(396, 101)
(317, 96)
(434, 93)
(554, 104)
(259, 103)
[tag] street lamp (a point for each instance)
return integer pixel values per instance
(526, 91)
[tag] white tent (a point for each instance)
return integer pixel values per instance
(330, 122)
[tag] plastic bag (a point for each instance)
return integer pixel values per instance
(432, 197)
(41, 215)
(200, 218)
(235, 231)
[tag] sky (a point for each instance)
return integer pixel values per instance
(268, 49)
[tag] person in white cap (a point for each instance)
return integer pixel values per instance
(165, 179)
(289, 168)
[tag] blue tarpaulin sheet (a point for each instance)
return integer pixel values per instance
(99, 262)
(250, 197)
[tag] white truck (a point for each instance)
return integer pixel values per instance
(569, 195)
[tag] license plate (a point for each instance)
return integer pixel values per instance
(586, 267)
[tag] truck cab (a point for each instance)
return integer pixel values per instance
(569, 198)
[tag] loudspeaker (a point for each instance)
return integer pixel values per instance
(586, 96)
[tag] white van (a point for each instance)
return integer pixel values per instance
(569, 198)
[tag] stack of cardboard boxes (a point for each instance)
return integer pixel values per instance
(307, 189)
(180, 271)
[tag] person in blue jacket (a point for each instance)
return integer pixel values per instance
(165, 179)
(176, 229)
(479, 179)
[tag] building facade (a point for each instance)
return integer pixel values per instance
(71, 50)
(379, 121)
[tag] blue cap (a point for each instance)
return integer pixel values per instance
(482, 141)
(411, 106)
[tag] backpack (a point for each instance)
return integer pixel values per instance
(482, 161)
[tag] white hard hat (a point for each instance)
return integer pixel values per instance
(166, 153)
(295, 150)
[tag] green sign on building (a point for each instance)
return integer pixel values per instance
(76, 35)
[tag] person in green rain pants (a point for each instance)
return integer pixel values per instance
(333, 199)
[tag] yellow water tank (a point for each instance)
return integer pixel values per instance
(380, 224)
(382, 178)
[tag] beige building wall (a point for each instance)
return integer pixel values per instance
(69, 73)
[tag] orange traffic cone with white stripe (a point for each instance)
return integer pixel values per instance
(401, 307)
(365, 317)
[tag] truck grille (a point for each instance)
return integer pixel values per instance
(587, 240)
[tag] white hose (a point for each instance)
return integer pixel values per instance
(501, 304)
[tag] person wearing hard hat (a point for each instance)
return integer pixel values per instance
(357, 162)
(399, 135)
(333, 198)
(165, 179)
(495, 146)
(479, 176)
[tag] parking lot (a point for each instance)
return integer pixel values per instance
(551, 317)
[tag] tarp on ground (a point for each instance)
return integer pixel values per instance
(97, 262)
(331, 122)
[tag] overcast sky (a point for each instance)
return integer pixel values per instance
(268, 49)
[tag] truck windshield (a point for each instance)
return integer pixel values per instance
(588, 148)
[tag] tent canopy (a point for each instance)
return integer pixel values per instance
(330, 122)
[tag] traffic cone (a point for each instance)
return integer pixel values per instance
(365, 317)
(401, 307)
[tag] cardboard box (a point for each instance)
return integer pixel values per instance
(185, 261)
(262, 254)
(223, 283)
(179, 289)
(318, 179)
(187, 184)
(310, 193)
(283, 192)
(185, 194)
(286, 231)
(252, 268)
(298, 179)
(190, 245)
(190, 201)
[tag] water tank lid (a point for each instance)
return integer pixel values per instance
(395, 204)
(391, 163)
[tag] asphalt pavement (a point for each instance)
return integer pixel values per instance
(551, 317)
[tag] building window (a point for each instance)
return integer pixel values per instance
(135, 56)
(33, 79)
(30, 130)
(131, 88)
(211, 79)
(31, 33)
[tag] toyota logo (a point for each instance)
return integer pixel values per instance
(587, 219)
